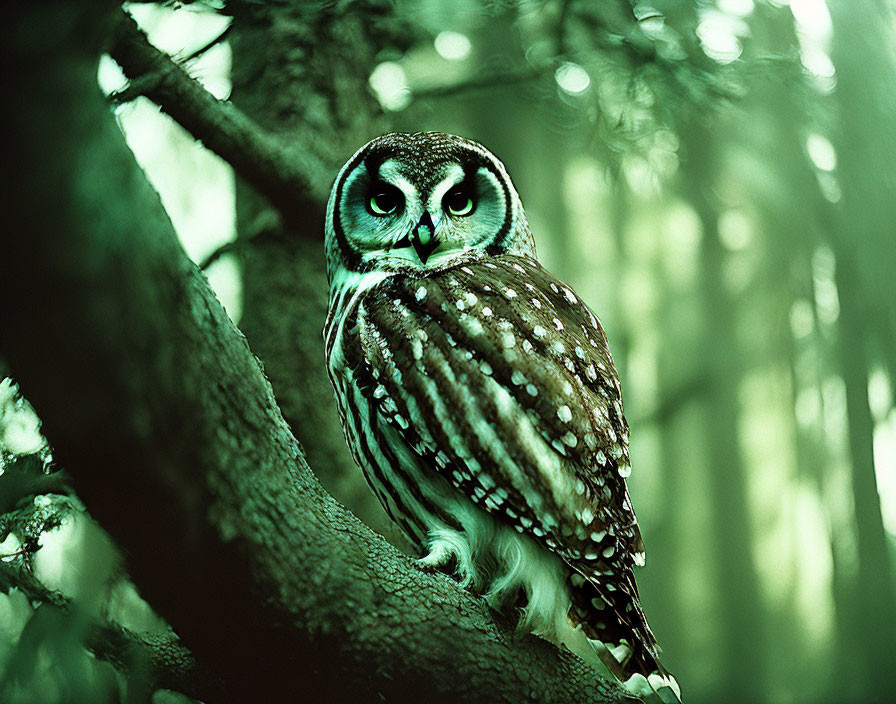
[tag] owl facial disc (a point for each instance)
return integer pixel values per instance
(422, 203)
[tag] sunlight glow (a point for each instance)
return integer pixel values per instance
(827, 301)
(802, 319)
(884, 463)
(202, 210)
(720, 33)
(572, 78)
(807, 408)
(740, 8)
(880, 397)
(390, 85)
(735, 230)
(813, 17)
(814, 30)
(821, 152)
(19, 424)
(452, 46)
(109, 75)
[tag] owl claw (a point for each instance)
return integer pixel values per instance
(438, 560)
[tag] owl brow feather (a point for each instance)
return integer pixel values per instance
(375, 152)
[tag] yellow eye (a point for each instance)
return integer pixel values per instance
(458, 202)
(384, 200)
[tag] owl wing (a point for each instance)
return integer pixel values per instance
(500, 378)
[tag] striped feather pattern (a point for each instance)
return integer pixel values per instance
(493, 382)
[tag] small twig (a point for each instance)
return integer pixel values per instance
(277, 170)
(149, 83)
(219, 252)
(501, 79)
(18, 553)
(195, 54)
(135, 88)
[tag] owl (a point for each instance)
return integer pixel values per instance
(479, 397)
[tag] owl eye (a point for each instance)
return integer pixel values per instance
(458, 202)
(384, 200)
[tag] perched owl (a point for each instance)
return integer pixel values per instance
(478, 395)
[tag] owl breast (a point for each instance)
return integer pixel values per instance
(484, 553)
(468, 436)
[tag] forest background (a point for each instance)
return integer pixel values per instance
(716, 179)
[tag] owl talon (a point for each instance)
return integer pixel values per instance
(438, 560)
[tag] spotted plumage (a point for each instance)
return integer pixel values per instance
(479, 396)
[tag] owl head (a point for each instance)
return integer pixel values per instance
(420, 203)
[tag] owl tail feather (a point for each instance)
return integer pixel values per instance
(656, 688)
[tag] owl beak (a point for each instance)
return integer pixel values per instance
(424, 238)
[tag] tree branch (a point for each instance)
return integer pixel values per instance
(506, 78)
(165, 662)
(156, 405)
(286, 176)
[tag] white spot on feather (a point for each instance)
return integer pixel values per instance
(472, 325)
(417, 349)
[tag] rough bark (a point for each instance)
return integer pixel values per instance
(153, 400)
(321, 98)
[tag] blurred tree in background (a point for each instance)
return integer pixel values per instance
(717, 180)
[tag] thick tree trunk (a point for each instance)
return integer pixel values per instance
(284, 275)
(866, 256)
(740, 609)
(156, 405)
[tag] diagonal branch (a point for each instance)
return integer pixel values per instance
(153, 400)
(275, 168)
